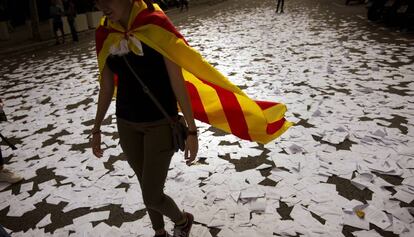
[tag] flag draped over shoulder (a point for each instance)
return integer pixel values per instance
(215, 100)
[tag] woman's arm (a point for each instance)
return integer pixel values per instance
(180, 91)
(106, 92)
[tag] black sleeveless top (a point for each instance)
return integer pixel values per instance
(132, 103)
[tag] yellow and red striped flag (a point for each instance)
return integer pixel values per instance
(215, 100)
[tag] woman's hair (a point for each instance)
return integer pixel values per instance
(149, 5)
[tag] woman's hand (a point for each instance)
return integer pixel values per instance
(96, 144)
(191, 149)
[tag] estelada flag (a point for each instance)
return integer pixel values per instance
(215, 100)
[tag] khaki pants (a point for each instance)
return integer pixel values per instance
(149, 149)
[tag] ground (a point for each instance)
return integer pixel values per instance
(347, 83)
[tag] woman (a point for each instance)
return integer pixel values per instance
(145, 134)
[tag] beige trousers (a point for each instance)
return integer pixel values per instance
(149, 149)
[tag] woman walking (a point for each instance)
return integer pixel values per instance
(144, 132)
(139, 47)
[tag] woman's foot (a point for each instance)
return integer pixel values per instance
(184, 229)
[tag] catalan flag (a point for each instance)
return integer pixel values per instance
(215, 100)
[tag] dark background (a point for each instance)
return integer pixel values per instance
(17, 11)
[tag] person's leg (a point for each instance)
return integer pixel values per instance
(10, 27)
(132, 142)
(73, 30)
(62, 32)
(283, 4)
(278, 4)
(55, 31)
(158, 151)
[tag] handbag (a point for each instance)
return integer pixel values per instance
(179, 128)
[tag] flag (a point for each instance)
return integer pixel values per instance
(214, 99)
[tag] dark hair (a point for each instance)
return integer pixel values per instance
(149, 5)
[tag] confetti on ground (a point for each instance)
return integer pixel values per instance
(348, 164)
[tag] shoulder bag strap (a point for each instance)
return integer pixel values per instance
(147, 91)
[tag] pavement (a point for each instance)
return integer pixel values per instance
(347, 84)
